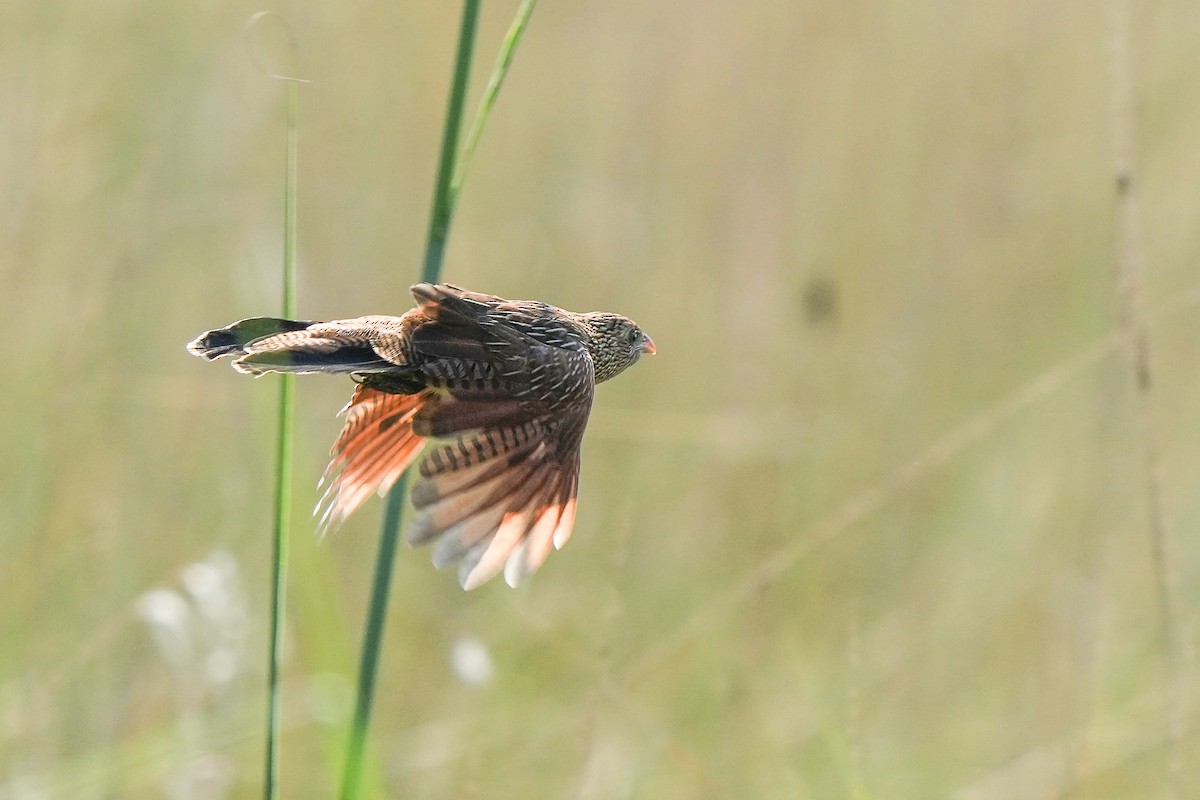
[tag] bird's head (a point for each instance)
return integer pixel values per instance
(616, 342)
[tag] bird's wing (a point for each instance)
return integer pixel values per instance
(376, 445)
(498, 489)
(489, 327)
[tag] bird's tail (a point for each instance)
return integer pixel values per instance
(232, 339)
(265, 344)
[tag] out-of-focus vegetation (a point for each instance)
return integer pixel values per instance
(874, 524)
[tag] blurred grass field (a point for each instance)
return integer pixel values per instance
(875, 523)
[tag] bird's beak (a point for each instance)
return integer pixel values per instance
(648, 345)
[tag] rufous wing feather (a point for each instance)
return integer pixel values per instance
(376, 445)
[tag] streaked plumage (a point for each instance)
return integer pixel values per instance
(502, 388)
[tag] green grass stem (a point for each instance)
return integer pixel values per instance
(283, 460)
(373, 641)
(507, 50)
(451, 171)
(443, 197)
(285, 437)
(439, 226)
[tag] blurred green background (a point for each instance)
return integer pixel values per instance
(875, 523)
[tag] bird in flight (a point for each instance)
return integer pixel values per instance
(502, 388)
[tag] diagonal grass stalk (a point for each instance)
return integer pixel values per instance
(451, 172)
(503, 62)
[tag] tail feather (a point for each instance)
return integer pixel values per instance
(266, 344)
(232, 339)
(312, 354)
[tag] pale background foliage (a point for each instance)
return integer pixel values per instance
(874, 523)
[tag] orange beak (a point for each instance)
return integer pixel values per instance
(648, 345)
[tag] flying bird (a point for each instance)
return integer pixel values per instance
(502, 389)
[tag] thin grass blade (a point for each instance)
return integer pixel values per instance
(283, 459)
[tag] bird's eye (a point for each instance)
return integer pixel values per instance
(634, 335)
